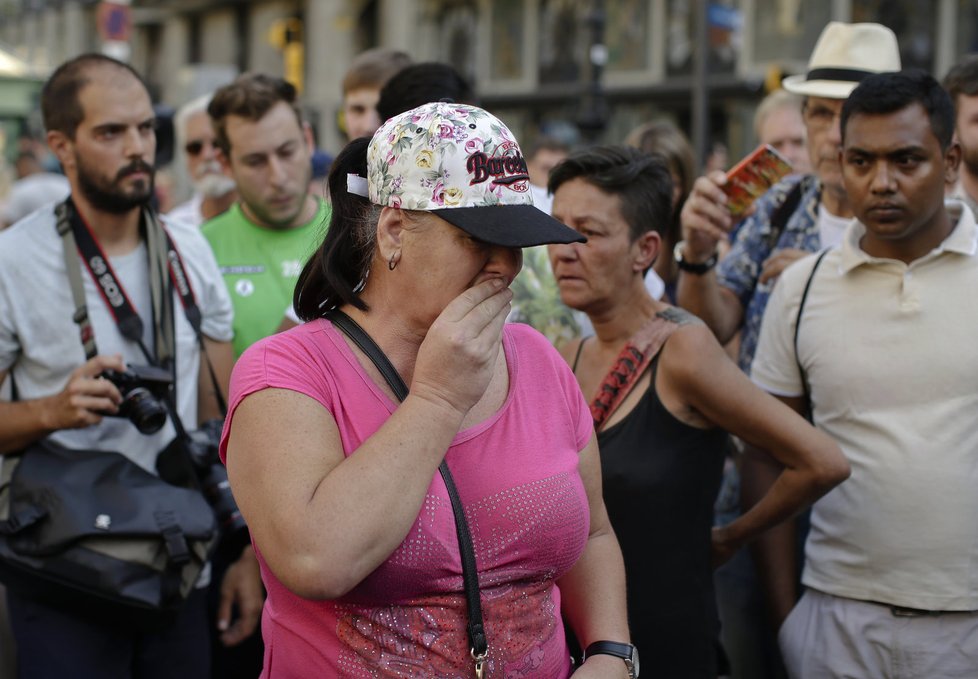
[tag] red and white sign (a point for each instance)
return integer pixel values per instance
(114, 20)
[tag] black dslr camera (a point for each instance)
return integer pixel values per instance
(192, 461)
(144, 389)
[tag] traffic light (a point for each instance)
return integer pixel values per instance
(286, 35)
(773, 78)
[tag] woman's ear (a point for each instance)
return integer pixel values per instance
(390, 230)
(645, 248)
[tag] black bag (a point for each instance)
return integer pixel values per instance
(92, 530)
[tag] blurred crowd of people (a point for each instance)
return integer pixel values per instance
(797, 379)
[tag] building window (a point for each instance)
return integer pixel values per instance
(459, 31)
(786, 30)
(913, 22)
(195, 47)
(562, 39)
(724, 33)
(626, 35)
(967, 28)
(506, 61)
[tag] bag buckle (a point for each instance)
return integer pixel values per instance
(21, 520)
(480, 661)
(173, 538)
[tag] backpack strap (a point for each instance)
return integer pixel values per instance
(781, 214)
(801, 307)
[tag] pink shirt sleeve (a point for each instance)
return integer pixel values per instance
(282, 361)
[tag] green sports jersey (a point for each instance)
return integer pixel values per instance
(260, 268)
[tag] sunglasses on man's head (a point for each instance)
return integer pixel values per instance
(193, 148)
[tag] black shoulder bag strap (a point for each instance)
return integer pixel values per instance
(801, 307)
(476, 630)
(782, 213)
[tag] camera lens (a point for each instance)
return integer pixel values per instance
(217, 490)
(144, 411)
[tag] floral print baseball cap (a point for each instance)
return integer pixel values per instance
(464, 165)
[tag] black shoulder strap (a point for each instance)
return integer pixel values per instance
(781, 214)
(470, 575)
(159, 241)
(801, 307)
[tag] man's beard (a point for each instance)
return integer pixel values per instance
(211, 182)
(107, 196)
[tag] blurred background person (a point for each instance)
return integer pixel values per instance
(544, 154)
(362, 83)
(214, 190)
(961, 83)
(33, 188)
(778, 122)
(663, 138)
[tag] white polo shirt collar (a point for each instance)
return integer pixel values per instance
(963, 240)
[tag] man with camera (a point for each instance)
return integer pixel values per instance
(104, 312)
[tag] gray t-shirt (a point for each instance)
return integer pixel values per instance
(40, 344)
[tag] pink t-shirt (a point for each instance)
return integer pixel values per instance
(517, 474)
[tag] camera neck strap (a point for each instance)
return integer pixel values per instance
(470, 574)
(78, 236)
(165, 268)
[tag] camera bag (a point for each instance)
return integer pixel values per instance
(92, 530)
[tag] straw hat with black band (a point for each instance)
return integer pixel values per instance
(843, 56)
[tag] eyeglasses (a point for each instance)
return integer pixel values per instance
(194, 147)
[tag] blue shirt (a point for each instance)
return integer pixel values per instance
(755, 241)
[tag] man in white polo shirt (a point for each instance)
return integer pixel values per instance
(885, 355)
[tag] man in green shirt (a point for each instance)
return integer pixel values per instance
(263, 240)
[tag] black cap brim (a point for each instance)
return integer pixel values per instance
(511, 226)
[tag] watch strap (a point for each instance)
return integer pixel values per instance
(617, 649)
(698, 268)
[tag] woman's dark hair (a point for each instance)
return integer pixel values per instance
(420, 84)
(640, 180)
(335, 274)
(883, 93)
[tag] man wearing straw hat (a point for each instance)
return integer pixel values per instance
(733, 293)
(799, 215)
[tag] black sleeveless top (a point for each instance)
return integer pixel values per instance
(660, 478)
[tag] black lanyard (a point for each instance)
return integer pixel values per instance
(166, 267)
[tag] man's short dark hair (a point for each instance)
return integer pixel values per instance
(883, 93)
(423, 83)
(249, 96)
(962, 78)
(60, 105)
(641, 181)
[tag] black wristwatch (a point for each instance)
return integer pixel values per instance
(691, 267)
(626, 652)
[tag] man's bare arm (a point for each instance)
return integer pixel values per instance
(82, 403)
